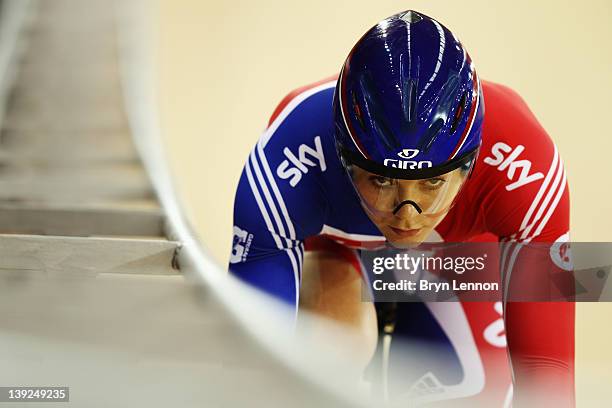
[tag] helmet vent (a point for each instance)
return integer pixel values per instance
(409, 102)
(432, 134)
(373, 105)
(458, 113)
(358, 112)
(411, 17)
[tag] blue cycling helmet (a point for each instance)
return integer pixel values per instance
(408, 103)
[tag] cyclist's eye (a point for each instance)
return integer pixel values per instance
(380, 181)
(434, 182)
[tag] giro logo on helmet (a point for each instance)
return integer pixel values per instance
(407, 164)
(408, 153)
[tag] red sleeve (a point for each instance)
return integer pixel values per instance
(540, 335)
(527, 206)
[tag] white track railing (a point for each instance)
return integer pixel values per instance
(269, 321)
(14, 17)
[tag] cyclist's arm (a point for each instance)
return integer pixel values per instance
(540, 334)
(264, 254)
(529, 217)
(278, 204)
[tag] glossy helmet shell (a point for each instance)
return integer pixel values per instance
(408, 91)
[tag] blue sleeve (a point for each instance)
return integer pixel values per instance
(280, 202)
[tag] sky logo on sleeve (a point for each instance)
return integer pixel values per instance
(295, 166)
(517, 170)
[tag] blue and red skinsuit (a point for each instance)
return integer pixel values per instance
(293, 191)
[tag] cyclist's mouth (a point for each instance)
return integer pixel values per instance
(404, 233)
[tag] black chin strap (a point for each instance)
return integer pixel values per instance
(400, 205)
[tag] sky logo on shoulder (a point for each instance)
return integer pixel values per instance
(407, 163)
(295, 166)
(512, 164)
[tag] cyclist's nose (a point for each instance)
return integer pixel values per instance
(407, 203)
(407, 209)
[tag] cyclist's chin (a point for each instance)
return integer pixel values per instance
(406, 233)
(405, 238)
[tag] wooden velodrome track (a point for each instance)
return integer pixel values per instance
(538, 48)
(77, 202)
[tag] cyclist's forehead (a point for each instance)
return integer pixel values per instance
(359, 172)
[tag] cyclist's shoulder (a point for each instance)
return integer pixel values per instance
(299, 136)
(319, 93)
(510, 123)
(499, 96)
(517, 167)
(297, 147)
(508, 114)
